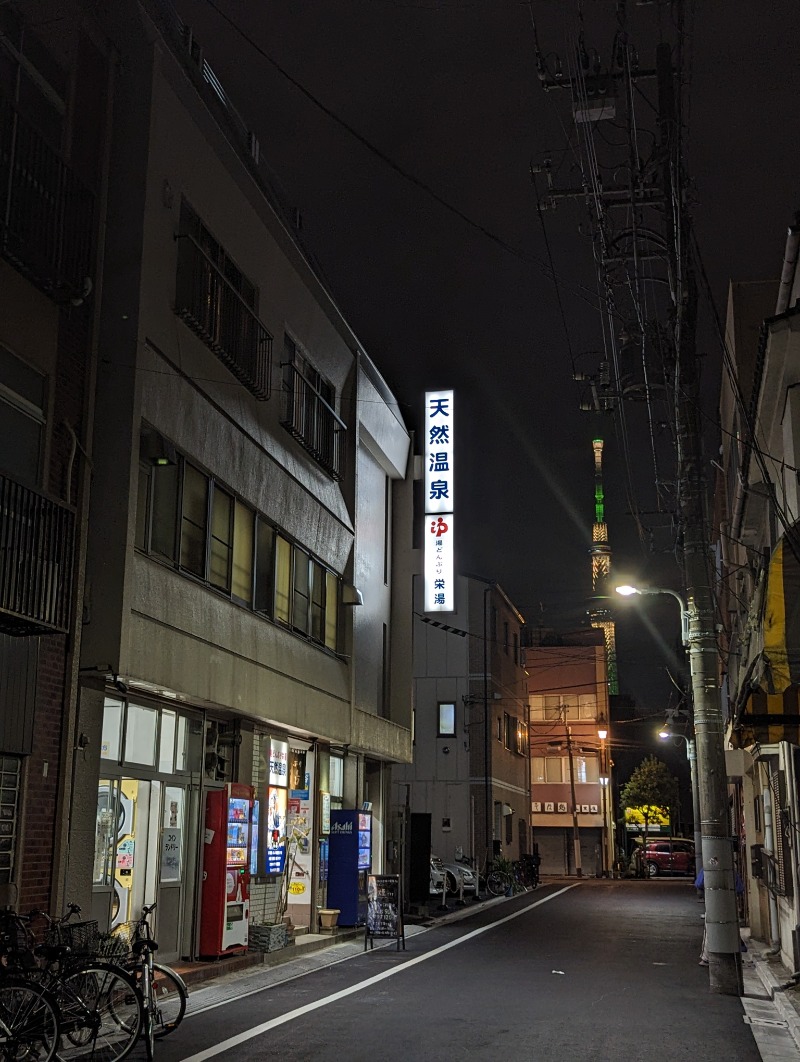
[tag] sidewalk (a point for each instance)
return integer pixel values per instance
(776, 984)
(304, 944)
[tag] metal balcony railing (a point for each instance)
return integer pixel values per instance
(37, 541)
(213, 309)
(46, 213)
(315, 425)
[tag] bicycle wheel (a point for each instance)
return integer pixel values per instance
(101, 1014)
(169, 1000)
(28, 1023)
(148, 1009)
(496, 883)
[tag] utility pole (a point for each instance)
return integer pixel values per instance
(576, 835)
(722, 927)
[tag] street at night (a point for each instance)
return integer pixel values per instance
(399, 521)
(591, 970)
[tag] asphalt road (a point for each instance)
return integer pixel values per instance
(591, 971)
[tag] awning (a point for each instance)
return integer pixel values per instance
(782, 620)
(767, 705)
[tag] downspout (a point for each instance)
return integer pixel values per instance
(769, 841)
(486, 732)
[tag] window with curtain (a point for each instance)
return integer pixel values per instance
(283, 579)
(221, 545)
(331, 610)
(187, 518)
(194, 520)
(242, 570)
(553, 768)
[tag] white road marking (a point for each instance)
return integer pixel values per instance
(257, 1030)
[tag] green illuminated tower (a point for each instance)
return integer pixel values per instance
(600, 614)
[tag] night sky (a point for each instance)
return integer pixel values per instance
(404, 132)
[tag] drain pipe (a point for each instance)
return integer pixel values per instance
(774, 928)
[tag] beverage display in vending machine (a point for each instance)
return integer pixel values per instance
(225, 905)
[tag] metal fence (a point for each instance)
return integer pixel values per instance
(37, 538)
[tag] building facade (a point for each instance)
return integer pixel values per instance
(572, 813)
(55, 82)
(466, 793)
(758, 555)
(229, 614)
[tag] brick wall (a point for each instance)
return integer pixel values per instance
(41, 784)
(37, 839)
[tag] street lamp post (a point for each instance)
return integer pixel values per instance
(607, 807)
(603, 788)
(576, 834)
(722, 923)
(691, 755)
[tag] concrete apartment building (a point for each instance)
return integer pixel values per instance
(467, 790)
(55, 83)
(569, 751)
(238, 622)
(757, 509)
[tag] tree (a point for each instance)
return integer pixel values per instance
(649, 790)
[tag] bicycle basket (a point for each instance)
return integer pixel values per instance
(81, 938)
(117, 943)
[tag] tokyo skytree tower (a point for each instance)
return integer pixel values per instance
(599, 613)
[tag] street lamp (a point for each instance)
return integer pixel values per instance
(722, 922)
(627, 591)
(691, 755)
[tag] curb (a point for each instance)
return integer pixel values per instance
(770, 976)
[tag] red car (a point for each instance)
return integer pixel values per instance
(669, 856)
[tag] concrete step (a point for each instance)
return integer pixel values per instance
(304, 943)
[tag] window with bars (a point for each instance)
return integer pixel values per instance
(220, 304)
(22, 419)
(308, 410)
(9, 815)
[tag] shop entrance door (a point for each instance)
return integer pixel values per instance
(139, 856)
(171, 872)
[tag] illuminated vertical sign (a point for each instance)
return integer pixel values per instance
(439, 480)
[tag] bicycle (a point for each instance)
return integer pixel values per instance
(163, 992)
(97, 1008)
(29, 1027)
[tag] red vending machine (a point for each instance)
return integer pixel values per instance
(225, 908)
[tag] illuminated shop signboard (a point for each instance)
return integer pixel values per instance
(439, 481)
(278, 762)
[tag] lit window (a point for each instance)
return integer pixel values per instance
(283, 578)
(194, 518)
(447, 719)
(221, 546)
(553, 769)
(331, 610)
(242, 577)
